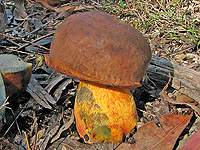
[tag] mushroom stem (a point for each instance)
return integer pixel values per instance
(104, 114)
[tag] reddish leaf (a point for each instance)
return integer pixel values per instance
(150, 136)
(45, 4)
(72, 8)
(51, 2)
(193, 143)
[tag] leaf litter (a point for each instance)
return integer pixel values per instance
(32, 22)
(150, 136)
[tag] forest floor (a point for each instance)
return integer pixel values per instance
(172, 29)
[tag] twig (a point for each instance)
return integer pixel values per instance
(15, 120)
(34, 123)
(36, 132)
(25, 41)
(27, 141)
(13, 42)
(14, 50)
(36, 29)
(34, 41)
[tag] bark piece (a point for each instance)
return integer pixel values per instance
(186, 80)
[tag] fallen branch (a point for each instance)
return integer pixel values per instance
(25, 41)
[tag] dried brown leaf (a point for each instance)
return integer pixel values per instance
(150, 136)
(6, 144)
(63, 128)
(39, 94)
(193, 143)
(45, 4)
(53, 83)
(184, 98)
(27, 27)
(50, 132)
(70, 8)
(58, 91)
(52, 2)
(39, 135)
(20, 11)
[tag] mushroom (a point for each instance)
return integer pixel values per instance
(109, 57)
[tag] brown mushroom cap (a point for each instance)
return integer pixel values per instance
(94, 46)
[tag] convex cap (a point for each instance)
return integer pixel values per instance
(94, 46)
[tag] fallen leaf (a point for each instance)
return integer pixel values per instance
(180, 57)
(63, 128)
(53, 82)
(40, 94)
(45, 4)
(164, 95)
(58, 92)
(39, 135)
(64, 148)
(52, 2)
(150, 136)
(3, 19)
(50, 132)
(6, 144)
(20, 11)
(43, 42)
(70, 8)
(184, 98)
(193, 143)
(27, 27)
(39, 59)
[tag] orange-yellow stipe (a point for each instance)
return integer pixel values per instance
(104, 114)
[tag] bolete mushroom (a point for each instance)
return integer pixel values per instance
(109, 57)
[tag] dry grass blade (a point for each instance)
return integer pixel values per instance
(174, 21)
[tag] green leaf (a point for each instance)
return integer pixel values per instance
(121, 4)
(167, 13)
(106, 5)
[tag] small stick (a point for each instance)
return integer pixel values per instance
(15, 119)
(25, 41)
(36, 29)
(35, 140)
(27, 141)
(34, 41)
